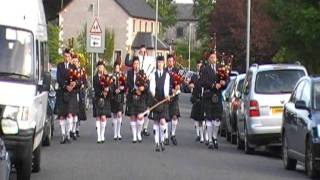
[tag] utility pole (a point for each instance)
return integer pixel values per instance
(189, 57)
(248, 35)
(157, 27)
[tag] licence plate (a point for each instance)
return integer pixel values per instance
(277, 110)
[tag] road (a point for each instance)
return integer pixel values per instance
(86, 160)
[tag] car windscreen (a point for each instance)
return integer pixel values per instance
(277, 81)
(16, 52)
(316, 95)
(240, 85)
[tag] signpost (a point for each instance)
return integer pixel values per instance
(95, 40)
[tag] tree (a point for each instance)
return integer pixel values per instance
(167, 12)
(229, 23)
(109, 45)
(202, 11)
(298, 33)
(54, 43)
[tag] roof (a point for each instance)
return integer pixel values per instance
(147, 39)
(267, 67)
(185, 12)
(138, 9)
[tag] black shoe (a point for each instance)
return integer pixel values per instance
(162, 146)
(119, 138)
(98, 142)
(174, 140)
(157, 148)
(102, 142)
(74, 136)
(115, 138)
(78, 134)
(63, 141)
(201, 141)
(215, 144)
(166, 142)
(210, 145)
(198, 139)
(134, 141)
(145, 132)
(206, 143)
(139, 141)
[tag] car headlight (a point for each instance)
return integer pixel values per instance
(10, 118)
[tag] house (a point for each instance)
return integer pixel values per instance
(185, 27)
(132, 21)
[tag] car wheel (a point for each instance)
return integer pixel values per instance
(288, 162)
(24, 165)
(36, 159)
(239, 141)
(310, 160)
(247, 148)
(47, 139)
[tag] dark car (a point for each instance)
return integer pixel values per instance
(226, 106)
(301, 127)
(5, 165)
(233, 105)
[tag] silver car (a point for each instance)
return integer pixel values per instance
(5, 165)
(265, 91)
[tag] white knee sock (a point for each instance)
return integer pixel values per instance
(162, 132)
(216, 125)
(103, 129)
(174, 125)
(119, 122)
(74, 124)
(134, 130)
(156, 133)
(166, 135)
(69, 125)
(146, 123)
(63, 126)
(115, 126)
(196, 125)
(201, 132)
(98, 130)
(139, 128)
(209, 129)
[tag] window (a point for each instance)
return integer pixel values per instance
(134, 25)
(316, 95)
(179, 32)
(305, 95)
(152, 27)
(247, 83)
(140, 27)
(297, 92)
(146, 27)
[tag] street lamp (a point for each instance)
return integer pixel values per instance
(248, 35)
(189, 60)
(156, 43)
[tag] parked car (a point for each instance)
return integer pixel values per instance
(5, 164)
(301, 127)
(231, 120)
(225, 103)
(266, 89)
(49, 123)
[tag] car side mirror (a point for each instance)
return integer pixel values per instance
(301, 105)
(46, 81)
(238, 94)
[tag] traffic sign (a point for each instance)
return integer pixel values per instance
(95, 36)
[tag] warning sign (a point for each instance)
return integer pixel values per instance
(95, 28)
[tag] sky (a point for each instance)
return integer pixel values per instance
(184, 1)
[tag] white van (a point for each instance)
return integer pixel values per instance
(24, 82)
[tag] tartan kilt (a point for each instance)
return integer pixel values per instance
(160, 112)
(135, 104)
(102, 109)
(60, 105)
(116, 106)
(212, 110)
(66, 103)
(174, 109)
(197, 112)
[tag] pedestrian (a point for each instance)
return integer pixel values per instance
(117, 100)
(160, 89)
(67, 103)
(102, 84)
(212, 99)
(174, 111)
(137, 85)
(197, 113)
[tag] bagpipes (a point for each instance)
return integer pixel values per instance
(142, 82)
(105, 82)
(224, 70)
(178, 79)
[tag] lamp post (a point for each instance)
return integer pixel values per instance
(248, 35)
(189, 57)
(157, 27)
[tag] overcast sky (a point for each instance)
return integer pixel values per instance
(184, 1)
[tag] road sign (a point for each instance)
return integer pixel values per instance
(95, 37)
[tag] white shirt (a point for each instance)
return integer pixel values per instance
(152, 86)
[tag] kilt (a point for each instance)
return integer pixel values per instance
(102, 109)
(66, 102)
(117, 103)
(174, 108)
(212, 110)
(136, 104)
(197, 112)
(160, 112)
(82, 111)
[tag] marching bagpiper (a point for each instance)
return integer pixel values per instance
(102, 84)
(212, 98)
(117, 100)
(83, 84)
(160, 89)
(174, 111)
(137, 85)
(197, 113)
(67, 104)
